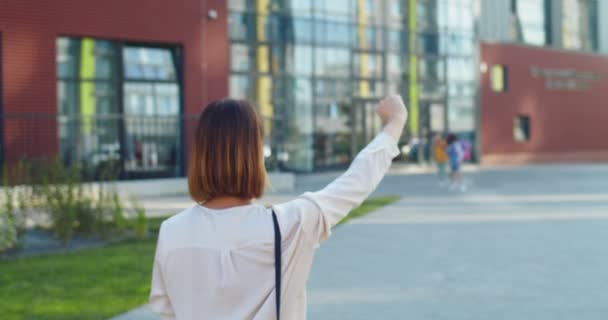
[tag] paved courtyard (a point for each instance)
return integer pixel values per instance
(526, 243)
(523, 243)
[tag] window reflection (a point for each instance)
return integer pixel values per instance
(579, 24)
(148, 63)
(241, 26)
(530, 21)
(332, 62)
(332, 134)
(140, 129)
(431, 69)
(328, 54)
(395, 66)
(367, 65)
(241, 57)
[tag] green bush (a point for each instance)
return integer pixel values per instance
(72, 206)
(118, 216)
(8, 232)
(139, 222)
(8, 227)
(60, 198)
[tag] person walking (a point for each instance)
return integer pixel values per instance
(227, 258)
(455, 158)
(441, 158)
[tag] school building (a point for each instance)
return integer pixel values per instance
(92, 82)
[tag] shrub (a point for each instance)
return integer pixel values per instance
(60, 195)
(8, 228)
(139, 222)
(8, 232)
(118, 217)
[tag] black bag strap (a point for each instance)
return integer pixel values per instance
(277, 263)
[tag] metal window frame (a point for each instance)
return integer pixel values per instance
(118, 82)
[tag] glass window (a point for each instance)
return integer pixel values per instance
(396, 66)
(240, 87)
(85, 59)
(148, 63)
(455, 16)
(240, 57)
(327, 91)
(240, 5)
(367, 65)
(299, 7)
(498, 78)
(428, 43)
(92, 117)
(431, 90)
(530, 21)
(332, 139)
(241, 26)
(342, 10)
(299, 60)
(431, 69)
(332, 62)
(460, 69)
(396, 12)
(461, 89)
(426, 15)
(67, 51)
(299, 126)
(461, 115)
(579, 25)
(396, 40)
(521, 128)
(149, 99)
(457, 44)
(334, 33)
(368, 89)
(372, 11)
(302, 29)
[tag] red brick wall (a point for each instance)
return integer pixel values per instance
(565, 125)
(29, 28)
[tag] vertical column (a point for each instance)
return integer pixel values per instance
(555, 17)
(413, 68)
(263, 83)
(363, 45)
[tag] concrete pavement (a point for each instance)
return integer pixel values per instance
(523, 243)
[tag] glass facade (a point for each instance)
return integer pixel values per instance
(568, 24)
(580, 24)
(532, 21)
(314, 69)
(119, 103)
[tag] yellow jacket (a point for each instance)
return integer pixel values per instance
(439, 151)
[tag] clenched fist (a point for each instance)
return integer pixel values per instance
(393, 114)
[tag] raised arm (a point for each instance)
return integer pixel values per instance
(321, 210)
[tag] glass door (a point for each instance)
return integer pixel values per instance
(365, 124)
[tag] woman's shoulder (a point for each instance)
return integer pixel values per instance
(183, 217)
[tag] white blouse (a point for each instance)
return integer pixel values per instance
(219, 264)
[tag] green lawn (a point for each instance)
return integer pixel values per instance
(90, 284)
(369, 206)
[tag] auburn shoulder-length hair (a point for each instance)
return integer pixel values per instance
(227, 157)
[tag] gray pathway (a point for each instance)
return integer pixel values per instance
(528, 243)
(523, 243)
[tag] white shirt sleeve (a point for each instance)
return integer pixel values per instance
(159, 299)
(319, 211)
